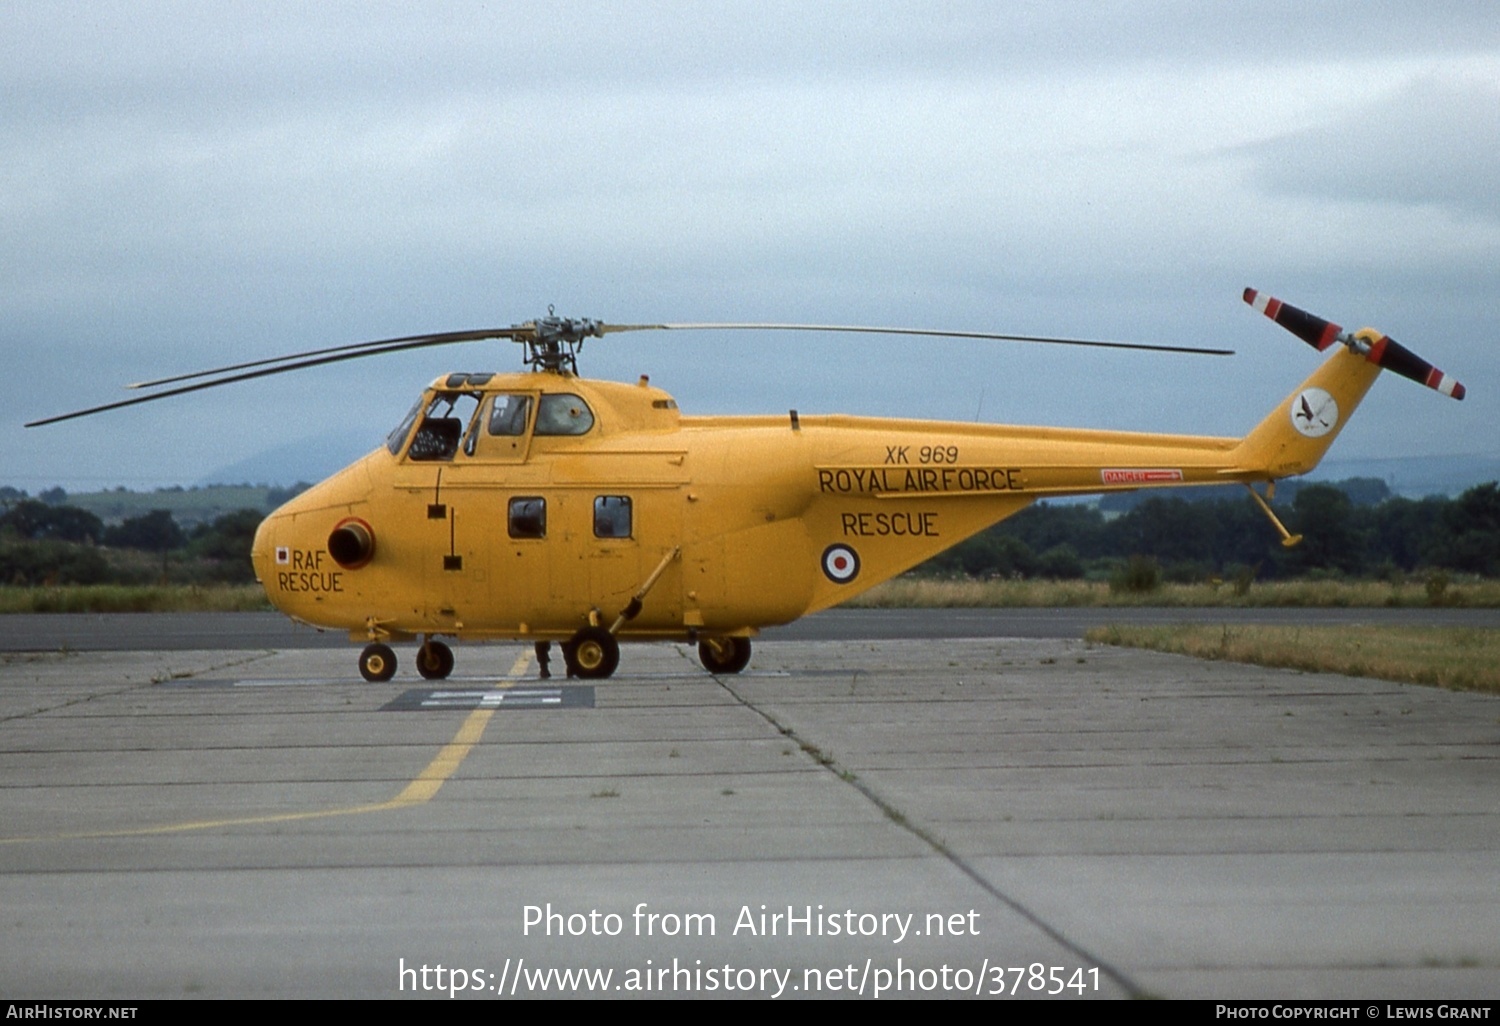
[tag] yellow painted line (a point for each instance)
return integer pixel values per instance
(447, 761)
(420, 790)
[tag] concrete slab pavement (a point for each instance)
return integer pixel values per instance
(256, 824)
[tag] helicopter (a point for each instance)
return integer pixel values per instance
(546, 507)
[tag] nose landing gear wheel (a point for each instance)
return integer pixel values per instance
(377, 663)
(592, 653)
(724, 655)
(435, 660)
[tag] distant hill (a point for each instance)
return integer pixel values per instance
(1415, 477)
(311, 459)
(264, 481)
(1364, 481)
(1362, 491)
(188, 506)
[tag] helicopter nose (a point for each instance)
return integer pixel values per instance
(304, 571)
(265, 552)
(310, 553)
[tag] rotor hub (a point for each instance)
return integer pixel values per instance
(553, 343)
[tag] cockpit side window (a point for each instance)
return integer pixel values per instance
(563, 414)
(509, 414)
(442, 426)
(397, 438)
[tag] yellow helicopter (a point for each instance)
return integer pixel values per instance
(546, 507)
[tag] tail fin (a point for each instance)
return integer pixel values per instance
(1295, 435)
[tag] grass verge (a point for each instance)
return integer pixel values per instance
(915, 592)
(1456, 658)
(132, 598)
(901, 593)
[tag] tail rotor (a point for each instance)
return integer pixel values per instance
(1379, 349)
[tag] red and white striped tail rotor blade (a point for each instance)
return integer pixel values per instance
(1391, 355)
(1315, 331)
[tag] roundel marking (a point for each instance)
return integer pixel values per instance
(840, 564)
(1314, 412)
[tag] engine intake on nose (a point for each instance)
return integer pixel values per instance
(352, 543)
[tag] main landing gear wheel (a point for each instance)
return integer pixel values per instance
(724, 655)
(435, 660)
(377, 663)
(592, 653)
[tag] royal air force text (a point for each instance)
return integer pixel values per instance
(939, 477)
(917, 480)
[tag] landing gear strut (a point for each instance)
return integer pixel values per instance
(724, 655)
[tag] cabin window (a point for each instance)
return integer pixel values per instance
(563, 414)
(612, 516)
(528, 517)
(509, 414)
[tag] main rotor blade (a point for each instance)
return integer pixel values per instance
(1379, 349)
(355, 349)
(550, 330)
(393, 345)
(929, 332)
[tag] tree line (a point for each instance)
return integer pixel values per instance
(1352, 529)
(1226, 534)
(41, 543)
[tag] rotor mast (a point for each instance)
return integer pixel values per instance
(552, 342)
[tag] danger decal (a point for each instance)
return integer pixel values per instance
(1139, 475)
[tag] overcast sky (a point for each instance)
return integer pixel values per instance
(188, 185)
